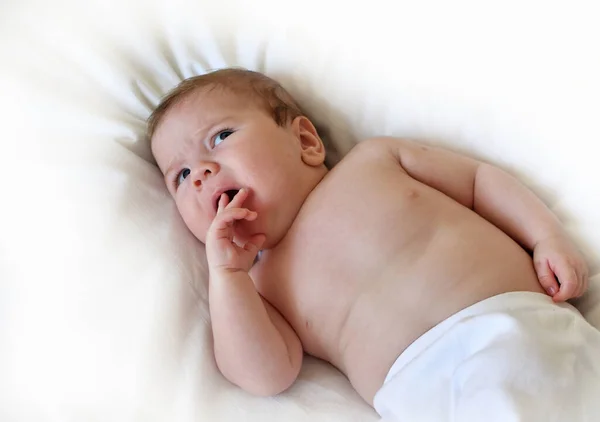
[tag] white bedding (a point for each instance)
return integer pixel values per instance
(103, 311)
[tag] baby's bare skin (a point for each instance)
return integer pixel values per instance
(357, 262)
(375, 259)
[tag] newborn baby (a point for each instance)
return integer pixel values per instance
(405, 266)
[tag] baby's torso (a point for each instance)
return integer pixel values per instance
(375, 259)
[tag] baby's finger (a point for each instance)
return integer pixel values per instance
(568, 283)
(230, 215)
(255, 243)
(578, 281)
(223, 201)
(239, 198)
(546, 277)
(583, 283)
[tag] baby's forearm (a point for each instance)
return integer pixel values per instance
(249, 349)
(508, 204)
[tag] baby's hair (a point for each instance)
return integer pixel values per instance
(262, 90)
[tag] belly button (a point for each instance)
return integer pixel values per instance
(308, 324)
(412, 194)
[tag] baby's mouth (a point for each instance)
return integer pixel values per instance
(231, 193)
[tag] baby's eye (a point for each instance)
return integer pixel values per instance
(181, 176)
(222, 135)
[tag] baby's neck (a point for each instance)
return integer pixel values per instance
(315, 179)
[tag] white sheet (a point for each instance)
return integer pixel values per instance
(103, 310)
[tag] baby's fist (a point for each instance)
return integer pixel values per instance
(560, 268)
(224, 250)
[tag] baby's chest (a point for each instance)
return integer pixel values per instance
(363, 207)
(343, 237)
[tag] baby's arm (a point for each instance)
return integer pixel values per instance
(255, 347)
(502, 200)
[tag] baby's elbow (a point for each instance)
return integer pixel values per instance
(264, 383)
(273, 385)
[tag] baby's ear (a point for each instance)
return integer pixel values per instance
(313, 150)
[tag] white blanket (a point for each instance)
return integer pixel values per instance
(103, 310)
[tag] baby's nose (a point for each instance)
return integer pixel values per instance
(203, 172)
(198, 180)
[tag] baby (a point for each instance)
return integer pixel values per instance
(405, 266)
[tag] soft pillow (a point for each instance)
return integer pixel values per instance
(103, 300)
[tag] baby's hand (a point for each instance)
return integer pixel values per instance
(221, 249)
(557, 258)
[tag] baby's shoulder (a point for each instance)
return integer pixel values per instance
(374, 150)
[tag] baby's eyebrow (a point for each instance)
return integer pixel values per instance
(170, 167)
(210, 125)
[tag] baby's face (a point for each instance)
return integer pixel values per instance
(213, 143)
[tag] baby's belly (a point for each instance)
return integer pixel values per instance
(459, 267)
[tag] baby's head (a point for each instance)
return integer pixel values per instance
(233, 129)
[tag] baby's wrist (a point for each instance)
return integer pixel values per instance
(556, 233)
(224, 272)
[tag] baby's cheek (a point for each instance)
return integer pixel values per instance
(199, 228)
(196, 222)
